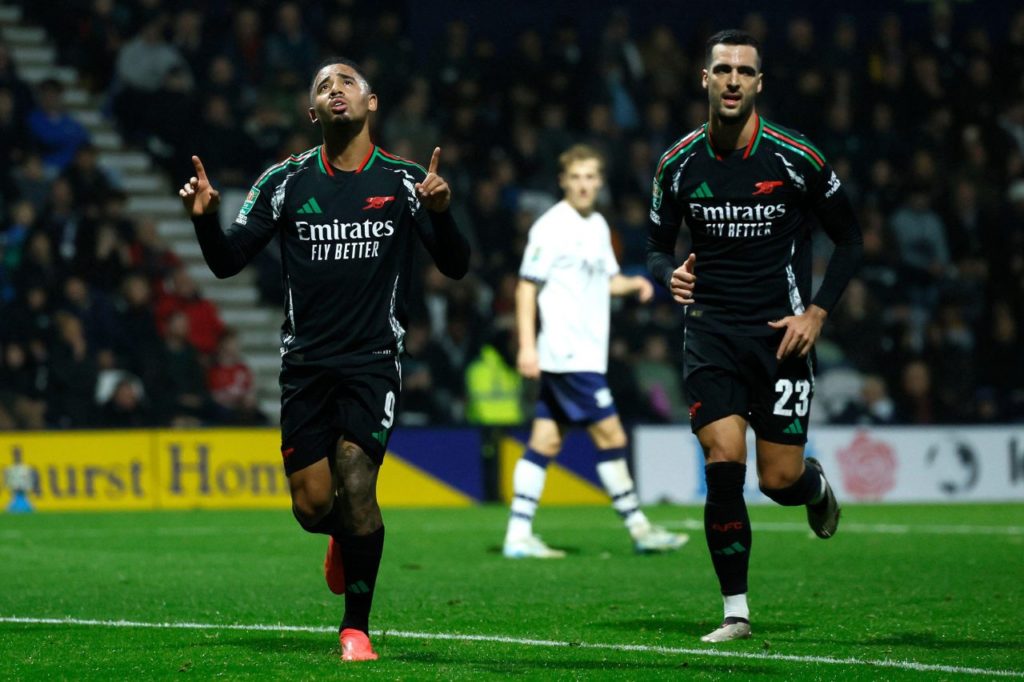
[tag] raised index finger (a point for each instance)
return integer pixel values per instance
(200, 171)
(432, 168)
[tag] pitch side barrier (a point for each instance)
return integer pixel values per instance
(453, 467)
(878, 464)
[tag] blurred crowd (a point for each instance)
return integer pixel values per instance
(921, 115)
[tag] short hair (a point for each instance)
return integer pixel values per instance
(580, 152)
(354, 65)
(732, 36)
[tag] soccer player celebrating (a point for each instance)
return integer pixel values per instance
(747, 189)
(346, 212)
(570, 273)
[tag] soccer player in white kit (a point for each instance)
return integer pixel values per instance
(569, 272)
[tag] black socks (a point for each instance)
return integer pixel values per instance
(727, 525)
(361, 554)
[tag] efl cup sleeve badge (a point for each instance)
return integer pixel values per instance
(656, 195)
(250, 201)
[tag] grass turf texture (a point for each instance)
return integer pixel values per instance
(927, 595)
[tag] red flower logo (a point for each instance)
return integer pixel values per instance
(868, 467)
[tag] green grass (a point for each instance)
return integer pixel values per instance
(948, 598)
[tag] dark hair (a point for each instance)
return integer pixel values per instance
(339, 60)
(732, 36)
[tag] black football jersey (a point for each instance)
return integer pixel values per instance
(347, 243)
(749, 212)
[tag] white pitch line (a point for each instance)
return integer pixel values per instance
(499, 639)
(879, 528)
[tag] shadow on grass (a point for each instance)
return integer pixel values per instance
(519, 664)
(929, 640)
(686, 628)
(518, 661)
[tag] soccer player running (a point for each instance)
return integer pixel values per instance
(749, 191)
(346, 212)
(570, 273)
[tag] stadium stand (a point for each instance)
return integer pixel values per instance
(921, 115)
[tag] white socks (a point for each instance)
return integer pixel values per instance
(614, 475)
(528, 485)
(736, 606)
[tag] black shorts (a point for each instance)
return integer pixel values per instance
(726, 375)
(355, 398)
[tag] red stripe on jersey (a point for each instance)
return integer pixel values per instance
(750, 144)
(682, 143)
(366, 160)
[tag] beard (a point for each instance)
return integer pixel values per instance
(734, 116)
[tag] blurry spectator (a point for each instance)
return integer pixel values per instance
(137, 338)
(32, 182)
(422, 403)
(204, 324)
(223, 144)
(176, 380)
(856, 325)
(410, 122)
(89, 183)
(12, 247)
(231, 385)
(167, 139)
(63, 223)
(22, 390)
(873, 407)
(915, 402)
(921, 237)
(143, 65)
(267, 128)
(189, 37)
(1001, 364)
(57, 134)
(14, 138)
(290, 49)
(29, 317)
(658, 380)
(952, 350)
(493, 386)
(39, 267)
(72, 375)
(93, 310)
(101, 34)
(632, 232)
(126, 406)
(107, 260)
(244, 46)
(632, 405)
(150, 256)
(11, 82)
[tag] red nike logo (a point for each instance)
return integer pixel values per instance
(766, 186)
(287, 452)
(377, 202)
(694, 408)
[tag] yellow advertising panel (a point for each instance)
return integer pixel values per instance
(220, 469)
(179, 469)
(82, 470)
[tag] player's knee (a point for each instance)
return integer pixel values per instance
(777, 480)
(548, 446)
(717, 451)
(309, 510)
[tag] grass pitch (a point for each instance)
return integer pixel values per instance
(902, 592)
